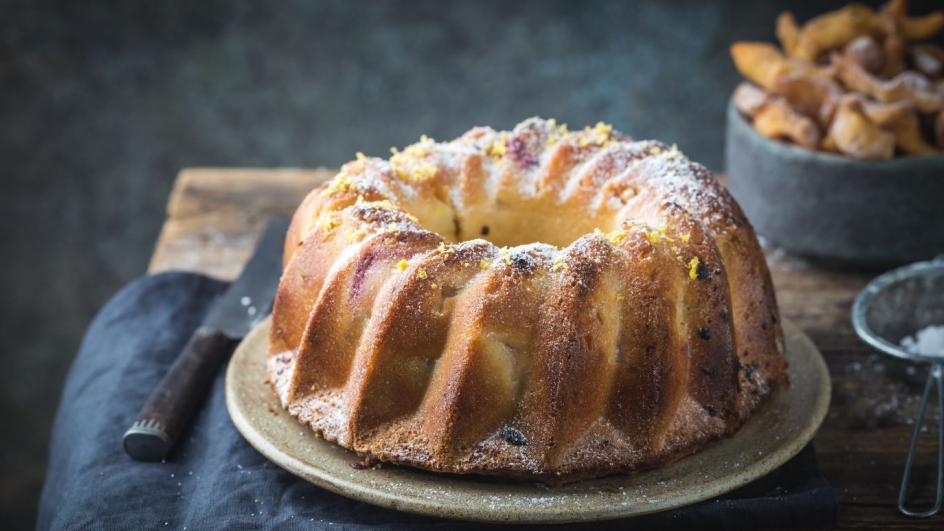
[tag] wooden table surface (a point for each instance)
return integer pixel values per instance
(215, 215)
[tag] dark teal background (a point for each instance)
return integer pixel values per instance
(101, 103)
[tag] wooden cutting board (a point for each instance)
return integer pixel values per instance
(215, 215)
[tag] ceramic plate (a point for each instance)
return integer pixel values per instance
(775, 433)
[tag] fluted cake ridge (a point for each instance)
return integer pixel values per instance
(537, 303)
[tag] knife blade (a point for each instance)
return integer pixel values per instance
(178, 395)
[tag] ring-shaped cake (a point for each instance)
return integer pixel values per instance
(537, 304)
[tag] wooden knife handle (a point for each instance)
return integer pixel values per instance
(177, 397)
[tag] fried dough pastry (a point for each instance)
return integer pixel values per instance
(834, 30)
(907, 86)
(813, 96)
(900, 119)
(774, 117)
(867, 53)
(763, 64)
(777, 119)
(853, 133)
(788, 33)
(749, 99)
(893, 45)
(759, 62)
(914, 28)
(850, 81)
(928, 59)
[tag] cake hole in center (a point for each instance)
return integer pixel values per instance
(512, 223)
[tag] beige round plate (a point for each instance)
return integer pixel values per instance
(776, 432)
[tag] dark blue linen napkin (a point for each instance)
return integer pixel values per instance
(215, 480)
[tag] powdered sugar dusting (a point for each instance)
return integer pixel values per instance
(929, 341)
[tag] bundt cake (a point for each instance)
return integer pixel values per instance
(538, 304)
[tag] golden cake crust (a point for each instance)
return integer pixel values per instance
(413, 325)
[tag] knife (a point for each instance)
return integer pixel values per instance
(179, 394)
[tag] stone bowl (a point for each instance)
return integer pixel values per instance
(836, 209)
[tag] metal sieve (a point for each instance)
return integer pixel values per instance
(891, 307)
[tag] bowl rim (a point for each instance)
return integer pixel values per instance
(864, 299)
(797, 152)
